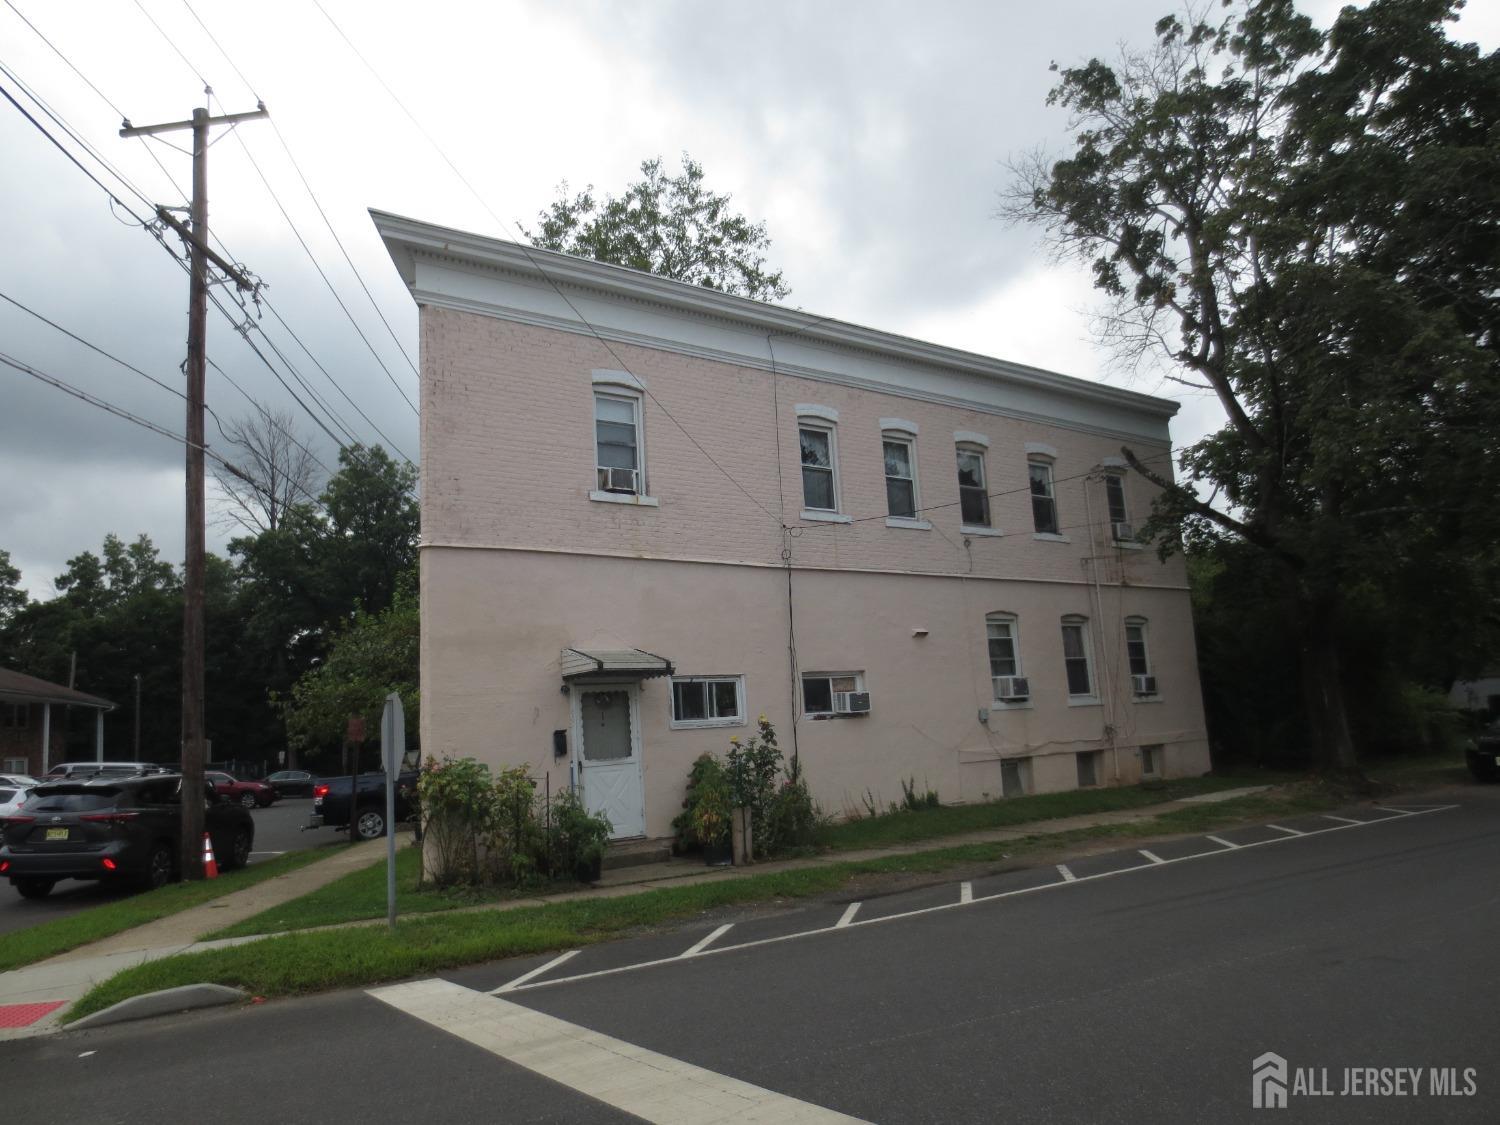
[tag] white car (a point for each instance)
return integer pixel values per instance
(16, 779)
(11, 797)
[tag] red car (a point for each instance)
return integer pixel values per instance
(248, 794)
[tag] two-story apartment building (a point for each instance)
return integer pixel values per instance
(652, 512)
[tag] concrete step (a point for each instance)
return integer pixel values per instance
(634, 853)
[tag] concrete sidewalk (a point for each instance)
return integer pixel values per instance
(33, 998)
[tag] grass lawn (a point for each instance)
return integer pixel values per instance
(361, 894)
(311, 962)
(952, 820)
(37, 943)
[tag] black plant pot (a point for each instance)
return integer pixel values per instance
(718, 855)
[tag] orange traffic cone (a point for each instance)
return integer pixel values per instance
(210, 868)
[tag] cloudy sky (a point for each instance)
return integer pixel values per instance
(870, 135)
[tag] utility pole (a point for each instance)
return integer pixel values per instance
(190, 860)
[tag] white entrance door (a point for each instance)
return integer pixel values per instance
(609, 747)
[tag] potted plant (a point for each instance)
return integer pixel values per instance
(578, 839)
(711, 811)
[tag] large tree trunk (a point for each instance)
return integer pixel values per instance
(1323, 691)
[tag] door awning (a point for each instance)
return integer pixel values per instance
(619, 664)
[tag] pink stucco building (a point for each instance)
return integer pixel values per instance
(652, 512)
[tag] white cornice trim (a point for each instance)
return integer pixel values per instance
(406, 239)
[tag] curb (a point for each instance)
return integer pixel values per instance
(167, 1001)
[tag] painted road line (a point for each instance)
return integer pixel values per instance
(1341, 819)
(847, 922)
(1152, 856)
(965, 892)
(1068, 876)
(1288, 831)
(1220, 840)
(560, 959)
(649, 1085)
(703, 943)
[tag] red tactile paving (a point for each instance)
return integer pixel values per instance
(24, 1015)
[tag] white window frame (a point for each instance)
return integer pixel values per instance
(695, 724)
(1154, 753)
(1116, 481)
(1023, 776)
(622, 392)
(974, 449)
(817, 424)
(908, 438)
(1095, 759)
(1036, 460)
(859, 685)
(1014, 622)
(1079, 699)
(1143, 625)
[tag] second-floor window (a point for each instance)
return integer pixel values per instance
(617, 443)
(818, 491)
(973, 499)
(900, 477)
(1043, 501)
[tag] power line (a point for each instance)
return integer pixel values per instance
(102, 404)
(185, 61)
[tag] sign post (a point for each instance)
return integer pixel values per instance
(392, 753)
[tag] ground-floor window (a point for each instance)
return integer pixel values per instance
(1088, 768)
(16, 765)
(708, 701)
(1151, 761)
(827, 693)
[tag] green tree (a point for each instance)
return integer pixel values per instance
(12, 597)
(672, 226)
(1307, 224)
(377, 653)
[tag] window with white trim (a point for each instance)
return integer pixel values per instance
(1138, 655)
(617, 442)
(1076, 662)
(1088, 767)
(1043, 498)
(1151, 760)
(900, 474)
(819, 477)
(1015, 777)
(708, 701)
(1003, 638)
(973, 493)
(17, 765)
(1114, 498)
(819, 689)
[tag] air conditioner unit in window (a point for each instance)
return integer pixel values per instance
(1122, 532)
(1012, 689)
(851, 703)
(617, 480)
(1143, 685)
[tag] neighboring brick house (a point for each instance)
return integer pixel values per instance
(31, 727)
(918, 562)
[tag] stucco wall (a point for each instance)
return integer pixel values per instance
(494, 622)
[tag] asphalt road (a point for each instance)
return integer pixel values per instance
(276, 831)
(1142, 995)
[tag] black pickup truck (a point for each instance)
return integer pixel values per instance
(331, 804)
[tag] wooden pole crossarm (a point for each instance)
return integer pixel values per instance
(225, 119)
(181, 228)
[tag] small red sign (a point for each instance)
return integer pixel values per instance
(356, 731)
